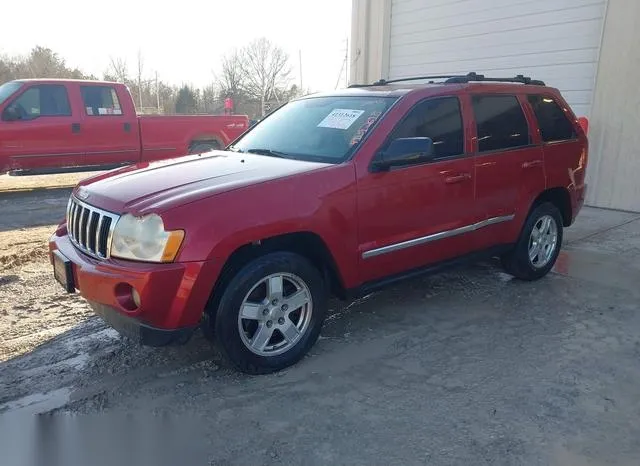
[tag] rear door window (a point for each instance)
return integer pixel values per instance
(439, 119)
(44, 100)
(500, 122)
(100, 100)
(552, 119)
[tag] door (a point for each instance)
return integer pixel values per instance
(564, 153)
(38, 129)
(509, 165)
(421, 214)
(111, 135)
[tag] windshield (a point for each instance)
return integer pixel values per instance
(323, 129)
(7, 89)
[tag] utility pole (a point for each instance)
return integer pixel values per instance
(157, 93)
(300, 61)
(346, 64)
(344, 67)
(140, 78)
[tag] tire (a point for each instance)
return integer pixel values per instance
(257, 344)
(203, 147)
(518, 262)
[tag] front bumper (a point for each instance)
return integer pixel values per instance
(172, 297)
(139, 332)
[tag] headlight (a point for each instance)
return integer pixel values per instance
(145, 239)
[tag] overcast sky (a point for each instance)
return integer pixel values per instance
(181, 40)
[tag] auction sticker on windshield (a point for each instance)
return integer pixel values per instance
(340, 118)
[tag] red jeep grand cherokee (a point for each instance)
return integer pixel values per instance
(335, 193)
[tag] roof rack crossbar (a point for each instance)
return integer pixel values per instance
(382, 82)
(457, 79)
(479, 77)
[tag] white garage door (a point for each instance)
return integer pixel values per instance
(553, 40)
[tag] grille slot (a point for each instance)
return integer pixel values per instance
(90, 228)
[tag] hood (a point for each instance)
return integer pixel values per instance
(159, 186)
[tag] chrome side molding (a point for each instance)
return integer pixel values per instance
(436, 236)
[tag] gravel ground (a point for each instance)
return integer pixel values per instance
(464, 367)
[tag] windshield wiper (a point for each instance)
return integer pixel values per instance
(269, 152)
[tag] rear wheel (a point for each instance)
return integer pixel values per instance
(271, 313)
(539, 244)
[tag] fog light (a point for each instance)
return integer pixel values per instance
(127, 296)
(136, 297)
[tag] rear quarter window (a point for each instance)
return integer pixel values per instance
(552, 119)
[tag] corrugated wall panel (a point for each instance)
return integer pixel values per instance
(553, 40)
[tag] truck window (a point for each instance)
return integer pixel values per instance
(500, 121)
(7, 90)
(439, 119)
(552, 120)
(42, 101)
(100, 100)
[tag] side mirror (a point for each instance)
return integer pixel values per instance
(404, 151)
(10, 114)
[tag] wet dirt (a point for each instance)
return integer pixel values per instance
(466, 367)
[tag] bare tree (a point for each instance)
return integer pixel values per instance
(231, 79)
(117, 70)
(265, 68)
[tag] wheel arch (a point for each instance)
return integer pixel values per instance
(559, 197)
(213, 138)
(305, 243)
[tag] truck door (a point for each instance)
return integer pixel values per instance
(38, 129)
(109, 130)
(419, 214)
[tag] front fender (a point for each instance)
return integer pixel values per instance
(322, 203)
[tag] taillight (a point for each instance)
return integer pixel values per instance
(584, 124)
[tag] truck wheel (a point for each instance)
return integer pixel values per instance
(271, 313)
(539, 244)
(203, 147)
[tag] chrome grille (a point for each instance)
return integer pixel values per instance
(90, 228)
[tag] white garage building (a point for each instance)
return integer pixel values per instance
(589, 49)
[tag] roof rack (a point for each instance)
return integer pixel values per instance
(458, 79)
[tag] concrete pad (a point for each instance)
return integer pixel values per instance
(592, 220)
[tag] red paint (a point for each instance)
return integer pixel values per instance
(227, 200)
(105, 139)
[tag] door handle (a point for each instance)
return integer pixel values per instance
(532, 163)
(75, 127)
(459, 178)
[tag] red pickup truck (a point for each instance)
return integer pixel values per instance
(333, 193)
(53, 125)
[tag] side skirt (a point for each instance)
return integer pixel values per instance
(75, 169)
(430, 269)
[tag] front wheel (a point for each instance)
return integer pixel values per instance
(271, 313)
(539, 244)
